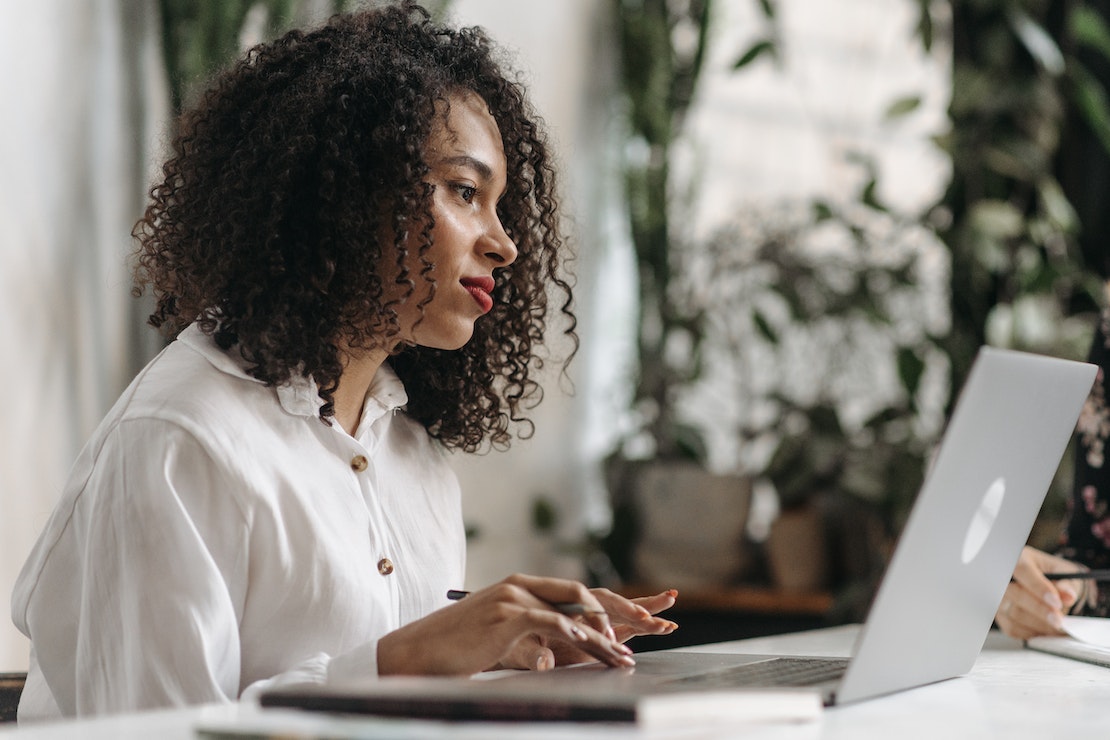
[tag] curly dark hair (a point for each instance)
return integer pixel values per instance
(266, 230)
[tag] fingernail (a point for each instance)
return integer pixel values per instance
(578, 633)
(1053, 599)
(626, 660)
(542, 662)
(644, 613)
(1056, 621)
(622, 648)
(672, 592)
(611, 634)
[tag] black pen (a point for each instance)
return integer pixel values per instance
(1082, 575)
(570, 609)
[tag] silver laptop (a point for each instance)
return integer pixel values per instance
(973, 514)
(939, 594)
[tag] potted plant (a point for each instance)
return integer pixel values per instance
(661, 493)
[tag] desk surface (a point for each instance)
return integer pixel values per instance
(1010, 693)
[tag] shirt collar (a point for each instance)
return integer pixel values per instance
(300, 395)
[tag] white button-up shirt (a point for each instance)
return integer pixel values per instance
(215, 537)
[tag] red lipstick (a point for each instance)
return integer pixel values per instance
(480, 288)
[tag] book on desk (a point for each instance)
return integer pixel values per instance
(485, 700)
(1087, 639)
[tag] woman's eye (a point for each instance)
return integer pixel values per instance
(466, 192)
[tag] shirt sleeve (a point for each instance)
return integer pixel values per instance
(1086, 537)
(138, 604)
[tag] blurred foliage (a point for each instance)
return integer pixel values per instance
(663, 45)
(817, 307)
(1019, 83)
(201, 36)
(1024, 217)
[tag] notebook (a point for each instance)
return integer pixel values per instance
(1087, 639)
(928, 620)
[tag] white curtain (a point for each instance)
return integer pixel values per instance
(84, 103)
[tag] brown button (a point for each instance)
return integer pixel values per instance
(385, 566)
(359, 463)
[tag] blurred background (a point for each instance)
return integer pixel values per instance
(794, 223)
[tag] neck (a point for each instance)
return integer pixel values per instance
(354, 383)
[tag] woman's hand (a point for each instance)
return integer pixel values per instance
(512, 624)
(629, 618)
(1034, 605)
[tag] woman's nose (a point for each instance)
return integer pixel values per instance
(499, 247)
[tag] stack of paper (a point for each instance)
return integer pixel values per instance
(1088, 640)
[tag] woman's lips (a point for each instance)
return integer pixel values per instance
(480, 289)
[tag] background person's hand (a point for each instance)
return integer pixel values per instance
(509, 624)
(1032, 604)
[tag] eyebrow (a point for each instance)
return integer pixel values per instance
(466, 160)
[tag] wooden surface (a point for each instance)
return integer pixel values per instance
(741, 600)
(11, 686)
(707, 615)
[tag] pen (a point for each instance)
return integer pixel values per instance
(570, 609)
(1083, 575)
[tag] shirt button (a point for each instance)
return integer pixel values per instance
(385, 566)
(359, 463)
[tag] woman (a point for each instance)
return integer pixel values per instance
(1033, 605)
(353, 248)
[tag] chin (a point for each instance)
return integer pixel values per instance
(448, 342)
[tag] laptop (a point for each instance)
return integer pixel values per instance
(930, 615)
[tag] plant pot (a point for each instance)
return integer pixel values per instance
(797, 549)
(692, 522)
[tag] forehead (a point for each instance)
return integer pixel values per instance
(464, 126)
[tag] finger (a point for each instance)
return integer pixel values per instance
(632, 617)
(1022, 614)
(659, 602)
(1030, 570)
(619, 608)
(640, 610)
(529, 653)
(581, 636)
(547, 591)
(626, 632)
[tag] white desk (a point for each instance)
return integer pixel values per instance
(1011, 693)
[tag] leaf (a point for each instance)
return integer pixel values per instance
(758, 49)
(925, 26)
(822, 211)
(997, 218)
(768, 8)
(902, 107)
(764, 327)
(544, 514)
(1038, 42)
(869, 196)
(910, 369)
(1089, 28)
(1057, 206)
(1091, 100)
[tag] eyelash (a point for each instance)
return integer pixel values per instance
(466, 192)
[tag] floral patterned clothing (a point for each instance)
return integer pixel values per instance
(1086, 538)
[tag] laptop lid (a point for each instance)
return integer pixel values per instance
(974, 512)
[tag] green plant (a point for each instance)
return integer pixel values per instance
(663, 45)
(200, 36)
(824, 333)
(1018, 84)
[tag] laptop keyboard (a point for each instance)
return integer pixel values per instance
(773, 672)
